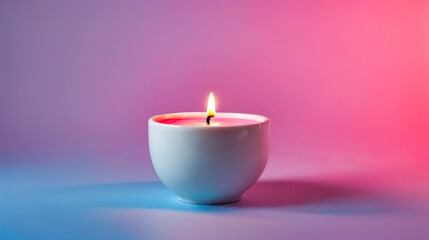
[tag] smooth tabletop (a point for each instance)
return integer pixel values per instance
(52, 202)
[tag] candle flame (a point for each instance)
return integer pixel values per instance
(211, 109)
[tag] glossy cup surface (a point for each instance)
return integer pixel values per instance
(209, 164)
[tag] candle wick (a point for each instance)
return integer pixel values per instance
(208, 120)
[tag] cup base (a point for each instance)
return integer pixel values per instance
(210, 203)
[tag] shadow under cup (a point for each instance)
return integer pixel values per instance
(209, 164)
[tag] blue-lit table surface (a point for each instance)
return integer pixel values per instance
(63, 201)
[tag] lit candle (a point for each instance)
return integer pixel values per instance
(209, 158)
(208, 118)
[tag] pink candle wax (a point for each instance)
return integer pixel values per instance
(199, 119)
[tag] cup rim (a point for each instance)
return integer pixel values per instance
(261, 120)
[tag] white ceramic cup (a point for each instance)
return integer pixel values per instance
(209, 164)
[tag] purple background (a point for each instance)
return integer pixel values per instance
(345, 84)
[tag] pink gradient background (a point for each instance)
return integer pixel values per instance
(346, 85)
